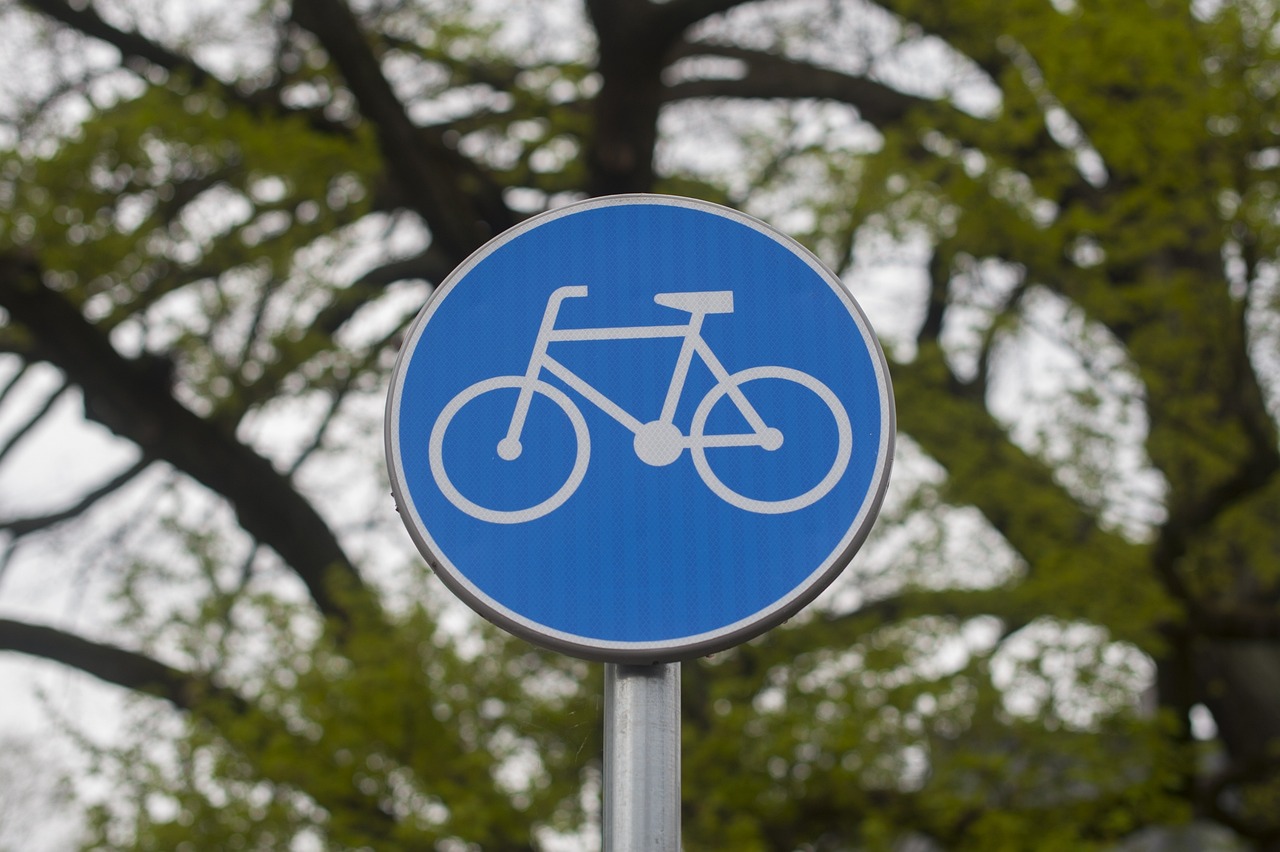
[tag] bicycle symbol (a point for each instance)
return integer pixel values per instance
(657, 442)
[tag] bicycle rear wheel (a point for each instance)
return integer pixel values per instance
(813, 465)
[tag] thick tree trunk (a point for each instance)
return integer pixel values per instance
(1240, 684)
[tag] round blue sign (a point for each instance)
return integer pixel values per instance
(639, 429)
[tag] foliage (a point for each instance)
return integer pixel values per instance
(215, 227)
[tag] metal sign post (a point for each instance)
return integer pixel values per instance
(640, 429)
(642, 758)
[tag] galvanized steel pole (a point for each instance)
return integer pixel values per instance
(642, 758)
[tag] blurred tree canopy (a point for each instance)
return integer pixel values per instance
(215, 222)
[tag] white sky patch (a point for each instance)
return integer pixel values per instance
(1068, 394)
(1071, 670)
(889, 281)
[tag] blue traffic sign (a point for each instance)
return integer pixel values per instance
(639, 429)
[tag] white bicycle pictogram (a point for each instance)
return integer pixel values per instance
(657, 442)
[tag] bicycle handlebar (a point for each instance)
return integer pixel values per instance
(573, 292)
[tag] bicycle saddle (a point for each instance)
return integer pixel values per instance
(706, 302)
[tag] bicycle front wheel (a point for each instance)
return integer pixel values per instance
(469, 432)
(800, 458)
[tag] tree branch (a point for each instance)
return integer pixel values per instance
(25, 429)
(134, 400)
(673, 18)
(836, 629)
(131, 45)
(136, 49)
(432, 265)
(20, 527)
(461, 204)
(115, 665)
(771, 76)
(196, 694)
(940, 273)
(1236, 625)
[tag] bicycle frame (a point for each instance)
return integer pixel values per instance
(698, 306)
